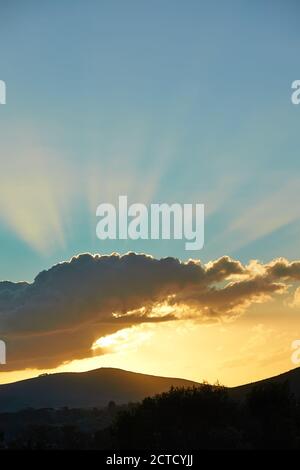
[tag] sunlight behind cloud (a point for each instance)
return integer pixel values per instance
(127, 338)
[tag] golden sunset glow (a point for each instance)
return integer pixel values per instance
(242, 351)
(180, 123)
(129, 338)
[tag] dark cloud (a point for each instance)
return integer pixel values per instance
(58, 317)
(282, 268)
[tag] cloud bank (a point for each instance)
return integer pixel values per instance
(67, 308)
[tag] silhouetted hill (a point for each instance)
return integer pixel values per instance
(292, 377)
(84, 390)
(97, 387)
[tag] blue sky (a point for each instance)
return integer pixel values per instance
(166, 101)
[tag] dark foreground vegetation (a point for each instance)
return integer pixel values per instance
(195, 418)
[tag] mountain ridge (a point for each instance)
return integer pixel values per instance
(97, 387)
(94, 388)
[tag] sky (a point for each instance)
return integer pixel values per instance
(173, 101)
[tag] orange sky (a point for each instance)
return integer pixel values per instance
(255, 346)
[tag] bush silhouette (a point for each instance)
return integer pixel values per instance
(202, 417)
(205, 417)
(272, 416)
